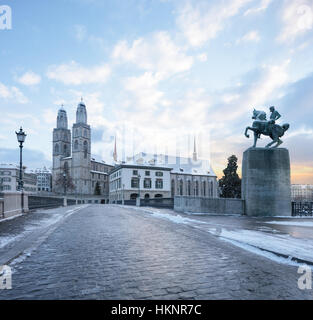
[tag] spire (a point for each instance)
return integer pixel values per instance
(194, 155)
(62, 118)
(115, 152)
(81, 113)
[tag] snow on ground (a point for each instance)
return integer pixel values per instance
(293, 223)
(275, 245)
(278, 243)
(48, 219)
(10, 218)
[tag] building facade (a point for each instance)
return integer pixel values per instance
(188, 176)
(9, 178)
(129, 181)
(44, 180)
(302, 192)
(72, 158)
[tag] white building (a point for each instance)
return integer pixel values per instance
(189, 176)
(9, 178)
(129, 180)
(44, 180)
(302, 192)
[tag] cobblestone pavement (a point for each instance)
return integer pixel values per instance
(109, 252)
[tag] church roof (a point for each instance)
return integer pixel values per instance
(180, 165)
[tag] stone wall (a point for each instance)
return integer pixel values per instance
(12, 204)
(208, 205)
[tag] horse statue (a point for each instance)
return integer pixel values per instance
(268, 128)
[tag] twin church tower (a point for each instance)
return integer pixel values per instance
(71, 155)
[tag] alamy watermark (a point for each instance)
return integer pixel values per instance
(305, 280)
(5, 17)
(305, 21)
(5, 277)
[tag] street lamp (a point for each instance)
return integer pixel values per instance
(139, 176)
(21, 139)
(64, 182)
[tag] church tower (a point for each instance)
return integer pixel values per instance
(61, 144)
(81, 149)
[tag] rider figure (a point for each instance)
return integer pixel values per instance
(274, 114)
(273, 117)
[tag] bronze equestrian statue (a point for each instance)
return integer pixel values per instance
(268, 128)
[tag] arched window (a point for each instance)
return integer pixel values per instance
(189, 188)
(76, 145)
(203, 188)
(211, 189)
(56, 148)
(173, 187)
(196, 188)
(85, 149)
(65, 166)
(65, 149)
(181, 185)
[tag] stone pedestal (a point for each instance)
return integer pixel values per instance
(266, 182)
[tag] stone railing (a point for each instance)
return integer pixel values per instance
(208, 205)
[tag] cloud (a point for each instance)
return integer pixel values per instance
(29, 79)
(74, 74)
(80, 32)
(12, 93)
(297, 19)
(200, 23)
(264, 4)
(156, 54)
(252, 36)
(202, 57)
(32, 159)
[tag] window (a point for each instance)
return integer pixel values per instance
(196, 188)
(56, 148)
(159, 174)
(181, 186)
(135, 172)
(189, 188)
(173, 187)
(159, 184)
(76, 145)
(85, 149)
(203, 188)
(135, 183)
(147, 173)
(147, 183)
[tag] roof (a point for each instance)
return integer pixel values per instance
(95, 158)
(8, 166)
(180, 165)
(100, 172)
(139, 166)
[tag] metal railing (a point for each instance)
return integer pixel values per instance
(302, 208)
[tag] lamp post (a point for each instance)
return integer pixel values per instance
(64, 182)
(21, 139)
(138, 199)
(123, 199)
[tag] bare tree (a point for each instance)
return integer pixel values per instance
(64, 180)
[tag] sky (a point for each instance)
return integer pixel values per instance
(156, 74)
